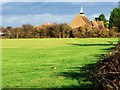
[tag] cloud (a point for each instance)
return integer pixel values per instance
(60, 0)
(0, 20)
(35, 19)
(24, 8)
(91, 17)
(12, 19)
(33, 8)
(16, 14)
(18, 20)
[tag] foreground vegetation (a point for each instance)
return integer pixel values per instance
(107, 72)
(51, 63)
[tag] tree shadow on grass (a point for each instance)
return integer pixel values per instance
(108, 49)
(75, 44)
(83, 75)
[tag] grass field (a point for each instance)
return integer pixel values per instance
(50, 63)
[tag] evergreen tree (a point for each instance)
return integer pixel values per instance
(114, 20)
(103, 18)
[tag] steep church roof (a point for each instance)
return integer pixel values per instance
(80, 20)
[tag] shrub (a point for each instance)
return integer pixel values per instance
(112, 33)
(107, 73)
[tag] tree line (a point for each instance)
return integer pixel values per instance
(56, 31)
(65, 31)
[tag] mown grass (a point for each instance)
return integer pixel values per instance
(28, 63)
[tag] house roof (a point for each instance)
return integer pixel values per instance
(100, 24)
(94, 23)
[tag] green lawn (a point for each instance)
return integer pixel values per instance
(28, 63)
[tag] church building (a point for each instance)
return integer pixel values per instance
(82, 21)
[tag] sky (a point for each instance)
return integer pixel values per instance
(16, 14)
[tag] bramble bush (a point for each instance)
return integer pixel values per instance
(106, 74)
